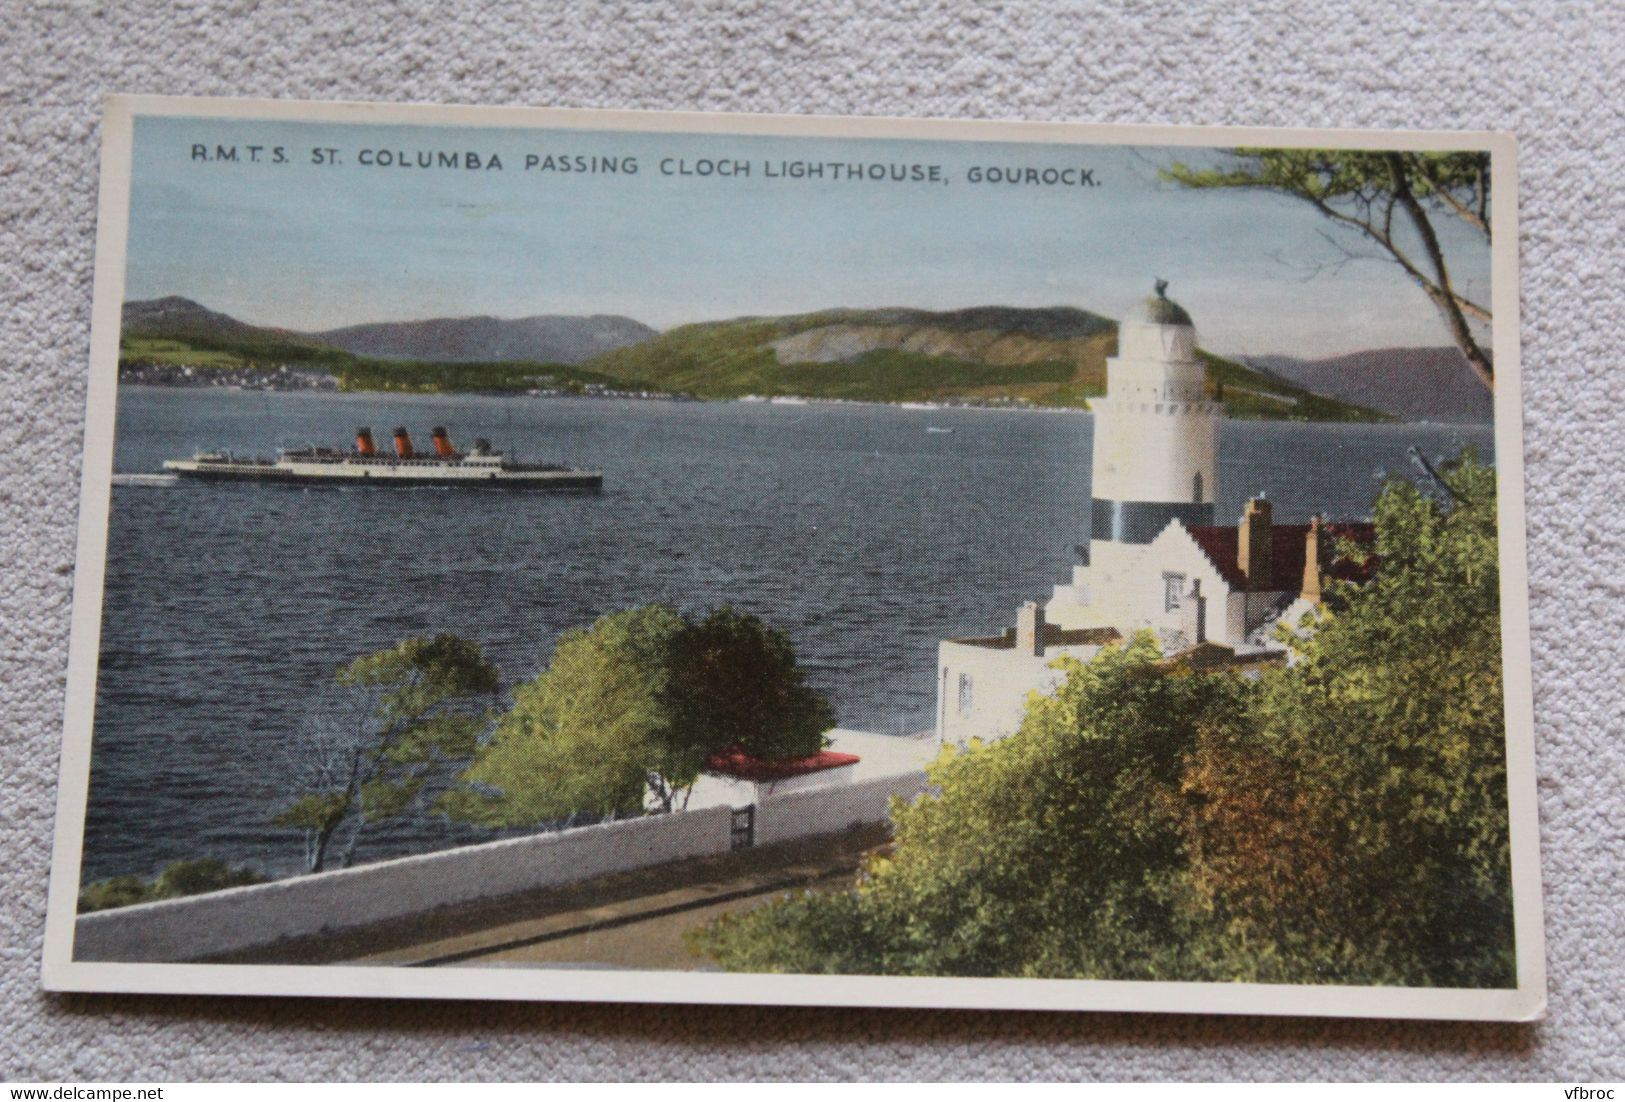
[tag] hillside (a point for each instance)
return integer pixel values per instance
(548, 338)
(545, 338)
(161, 336)
(1047, 357)
(991, 355)
(1413, 384)
(177, 317)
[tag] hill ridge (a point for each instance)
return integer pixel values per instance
(1043, 356)
(478, 338)
(1408, 382)
(981, 354)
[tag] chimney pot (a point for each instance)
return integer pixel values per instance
(1030, 629)
(1253, 544)
(1311, 561)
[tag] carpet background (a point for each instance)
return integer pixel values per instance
(1550, 73)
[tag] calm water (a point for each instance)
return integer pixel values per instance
(864, 536)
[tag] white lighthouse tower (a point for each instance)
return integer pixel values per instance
(1209, 596)
(1155, 455)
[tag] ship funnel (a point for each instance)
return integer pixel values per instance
(363, 442)
(442, 443)
(403, 443)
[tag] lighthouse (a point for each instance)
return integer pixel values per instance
(1155, 454)
(1208, 596)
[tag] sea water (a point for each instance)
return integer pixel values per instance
(856, 529)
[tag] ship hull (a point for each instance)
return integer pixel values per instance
(388, 476)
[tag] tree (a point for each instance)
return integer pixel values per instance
(1342, 820)
(1368, 829)
(402, 715)
(1368, 192)
(582, 736)
(628, 711)
(1055, 852)
(179, 878)
(738, 688)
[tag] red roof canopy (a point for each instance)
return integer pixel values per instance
(746, 768)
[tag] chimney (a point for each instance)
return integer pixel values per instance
(1030, 629)
(363, 442)
(403, 443)
(1253, 544)
(442, 443)
(1311, 561)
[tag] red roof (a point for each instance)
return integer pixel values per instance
(1286, 553)
(746, 768)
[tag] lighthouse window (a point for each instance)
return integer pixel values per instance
(1173, 586)
(965, 692)
(1196, 488)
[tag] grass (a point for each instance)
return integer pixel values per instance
(179, 353)
(726, 359)
(892, 375)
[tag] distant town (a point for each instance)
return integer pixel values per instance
(292, 377)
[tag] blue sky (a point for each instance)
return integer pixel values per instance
(310, 246)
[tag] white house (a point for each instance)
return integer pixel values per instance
(1156, 561)
(983, 683)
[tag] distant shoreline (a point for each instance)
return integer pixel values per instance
(778, 400)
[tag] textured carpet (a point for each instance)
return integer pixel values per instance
(1550, 73)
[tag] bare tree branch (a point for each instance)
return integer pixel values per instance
(1361, 191)
(1439, 291)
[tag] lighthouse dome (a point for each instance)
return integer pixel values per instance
(1158, 309)
(1157, 328)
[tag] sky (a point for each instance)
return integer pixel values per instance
(312, 246)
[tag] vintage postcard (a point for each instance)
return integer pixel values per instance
(533, 554)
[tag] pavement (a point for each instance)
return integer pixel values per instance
(634, 919)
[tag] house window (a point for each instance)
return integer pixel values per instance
(1173, 586)
(965, 693)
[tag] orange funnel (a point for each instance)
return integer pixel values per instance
(403, 443)
(363, 442)
(442, 443)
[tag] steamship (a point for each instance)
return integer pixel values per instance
(480, 466)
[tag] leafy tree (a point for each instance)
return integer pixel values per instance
(629, 710)
(1368, 830)
(177, 879)
(1367, 192)
(583, 735)
(1056, 852)
(405, 713)
(738, 688)
(116, 891)
(1342, 820)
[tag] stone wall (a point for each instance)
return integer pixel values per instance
(241, 918)
(830, 810)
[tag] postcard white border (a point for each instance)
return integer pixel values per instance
(60, 972)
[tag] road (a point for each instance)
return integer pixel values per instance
(633, 919)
